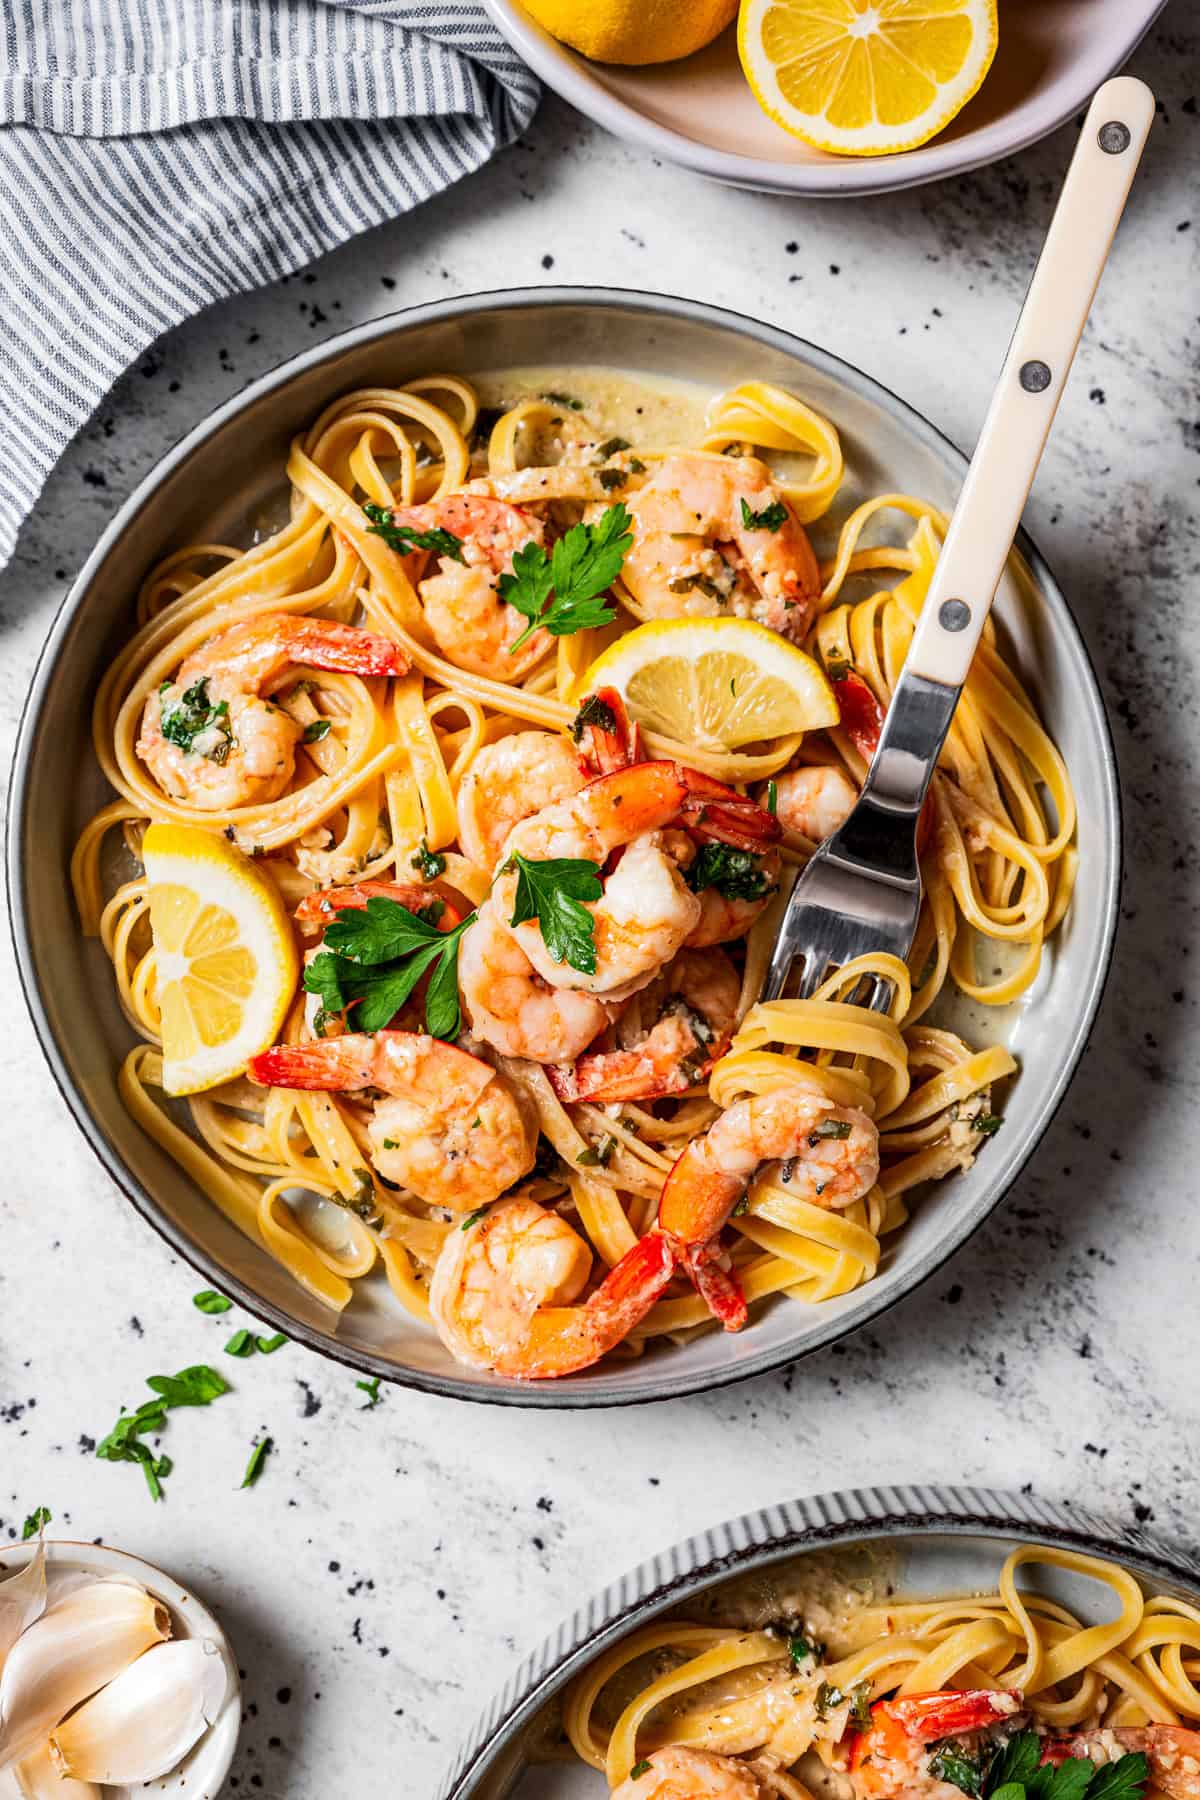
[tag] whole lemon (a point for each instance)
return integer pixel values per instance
(633, 31)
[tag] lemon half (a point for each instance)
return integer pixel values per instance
(717, 683)
(865, 77)
(225, 956)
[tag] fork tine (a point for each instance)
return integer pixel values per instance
(815, 970)
(881, 999)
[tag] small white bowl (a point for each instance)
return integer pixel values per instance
(700, 112)
(201, 1774)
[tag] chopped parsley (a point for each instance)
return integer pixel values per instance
(209, 1301)
(736, 874)
(404, 540)
(567, 400)
(829, 1128)
(639, 1769)
(608, 448)
(596, 713)
(473, 1218)
(552, 892)
(267, 1346)
(255, 1466)
(565, 591)
(612, 478)
(773, 797)
(240, 1344)
(987, 1123)
(951, 1762)
(431, 863)
(190, 717)
(598, 1156)
(37, 1521)
(372, 958)
(199, 1385)
(771, 518)
(371, 1390)
(858, 1697)
(316, 729)
(803, 1649)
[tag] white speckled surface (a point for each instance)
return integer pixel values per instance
(390, 1564)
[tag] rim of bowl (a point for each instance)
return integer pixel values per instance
(544, 1394)
(569, 75)
(773, 1534)
(221, 1739)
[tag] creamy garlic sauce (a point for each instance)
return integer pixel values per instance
(826, 1593)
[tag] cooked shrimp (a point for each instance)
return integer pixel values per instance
(507, 782)
(814, 801)
(508, 1004)
(1172, 1752)
(449, 1127)
(694, 1023)
(713, 535)
(677, 1773)
(212, 738)
(829, 1155)
(317, 909)
(608, 739)
(503, 1284)
(890, 1759)
(646, 910)
(473, 627)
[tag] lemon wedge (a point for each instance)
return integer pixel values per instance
(634, 32)
(225, 956)
(717, 683)
(865, 77)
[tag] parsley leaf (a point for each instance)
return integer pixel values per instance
(771, 518)
(987, 1123)
(316, 729)
(594, 711)
(473, 1218)
(950, 1761)
(1121, 1780)
(737, 874)
(1016, 1762)
(802, 1649)
(372, 959)
(199, 1385)
(209, 1301)
(858, 1698)
(37, 1521)
(551, 891)
(583, 563)
(403, 539)
(639, 1769)
(240, 1344)
(431, 863)
(829, 1128)
(257, 1457)
(371, 1390)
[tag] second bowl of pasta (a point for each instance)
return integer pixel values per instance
(463, 699)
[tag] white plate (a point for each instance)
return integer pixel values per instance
(700, 112)
(201, 1774)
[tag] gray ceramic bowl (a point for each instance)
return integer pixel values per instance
(229, 467)
(944, 1541)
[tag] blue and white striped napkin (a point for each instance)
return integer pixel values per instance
(156, 155)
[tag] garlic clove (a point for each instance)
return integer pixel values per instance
(22, 1600)
(147, 1719)
(37, 1779)
(76, 1646)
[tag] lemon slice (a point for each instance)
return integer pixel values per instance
(717, 683)
(225, 957)
(865, 77)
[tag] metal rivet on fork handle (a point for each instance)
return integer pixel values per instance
(1113, 137)
(1035, 377)
(955, 615)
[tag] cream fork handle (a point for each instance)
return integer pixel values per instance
(1031, 382)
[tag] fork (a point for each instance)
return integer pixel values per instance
(861, 891)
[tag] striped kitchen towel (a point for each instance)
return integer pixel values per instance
(156, 155)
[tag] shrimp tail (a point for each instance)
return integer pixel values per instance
(325, 644)
(331, 1065)
(716, 1282)
(697, 1197)
(605, 747)
(564, 1340)
(317, 909)
(715, 813)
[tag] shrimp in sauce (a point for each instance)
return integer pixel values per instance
(212, 738)
(678, 1773)
(447, 1127)
(696, 1014)
(509, 781)
(511, 1007)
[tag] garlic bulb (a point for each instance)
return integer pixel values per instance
(22, 1600)
(74, 1648)
(38, 1779)
(147, 1719)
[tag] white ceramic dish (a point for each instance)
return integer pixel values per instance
(700, 112)
(941, 1540)
(201, 1774)
(230, 466)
